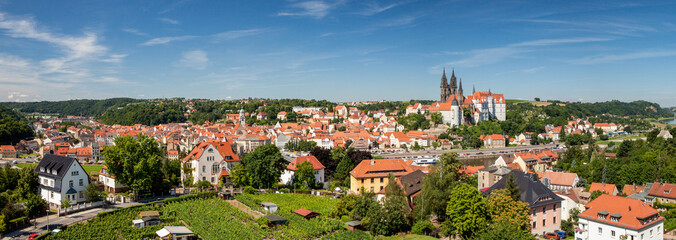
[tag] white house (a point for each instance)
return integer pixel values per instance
(109, 183)
(61, 178)
(209, 161)
(287, 175)
(610, 217)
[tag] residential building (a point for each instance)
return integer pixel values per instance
(490, 175)
(493, 141)
(611, 217)
(411, 183)
(109, 182)
(250, 142)
(663, 192)
(557, 181)
(372, 175)
(544, 205)
(61, 178)
(665, 134)
(209, 161)
(8, 151)
(288, 174)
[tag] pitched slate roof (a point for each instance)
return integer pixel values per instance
(54, 166)
(630, 211)
(532, 191)
(412, 182)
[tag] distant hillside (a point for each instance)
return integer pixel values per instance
(13, 128)
(615, 107)
(82, 107)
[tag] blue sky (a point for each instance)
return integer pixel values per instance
(337, 50)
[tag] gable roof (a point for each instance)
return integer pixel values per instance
(316, 165)
(559, 178)
(665, 190)
(381, 168)
(54, 166)
(412, 182)
(603, 187)
(532, 191)
(630, 211)
(223, 148)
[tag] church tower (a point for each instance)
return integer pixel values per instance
(454, 86)
(444, 88)
(242, 118)
(461, 98)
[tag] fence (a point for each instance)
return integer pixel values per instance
(79, 207)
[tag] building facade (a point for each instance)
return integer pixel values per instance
(209, 161)
(612, 217)
(61, 178)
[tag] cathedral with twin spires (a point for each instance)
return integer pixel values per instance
(453, 103)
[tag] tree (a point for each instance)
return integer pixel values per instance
(436, 117)
(364, 206)
(204, 185)
(392, 218)
(467, 211)
(93, 192)
(135, 161)
(27, 182)
(345, 165)
(304, 177)
(265, 165)
(502, 207)
(239, 175)
(34, 206)
(65, 203)
(437, 187)
(595, 194)
(512, 188)
(537, 99)
(503, 230)
(3, 225)
(344, 206)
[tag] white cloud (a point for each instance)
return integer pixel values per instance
(628, 56)
(169, 20)
(229, 35)
(114, 58)
(315, 9)
(134, 31)
(478, 57)
(374, 8)
(196, 59)
(326, 34)
(165, 40)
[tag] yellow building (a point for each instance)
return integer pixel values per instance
(372, 175)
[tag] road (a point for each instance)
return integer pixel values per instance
(55, 221)
(464, 153)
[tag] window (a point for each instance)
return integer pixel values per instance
(81, 196)
(74, 173)
(372, 180)
(600, 230)
(81, 182)
(535, 224)
(204, 168)
(381, 188)
(204, 178)
(212, 179)
(51, 195)
(612, 233)
(70, 183)
(381, 180)
(544, 222)
(544, 209)
(362, 181)
(651, 233)
(554, 219)
(371, 188)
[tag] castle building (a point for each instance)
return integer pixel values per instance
(481, 106)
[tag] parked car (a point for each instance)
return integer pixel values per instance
(551, 235)
(33, 236)
(560, 234)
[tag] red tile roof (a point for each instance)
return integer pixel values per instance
(559, 178)
(224, 148)
(632, 212)
(664, 190)
(630, 189)
(316, 165)
(603, 187)
(382, 168)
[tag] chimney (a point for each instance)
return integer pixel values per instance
(373, 162)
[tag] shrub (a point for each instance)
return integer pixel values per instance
(345, 218)
(422, 227)
(284, 190)
(263, 221)
(249, 190)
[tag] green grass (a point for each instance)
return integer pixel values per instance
(23, 165)
(92, 167)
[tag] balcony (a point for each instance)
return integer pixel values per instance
(581, 234)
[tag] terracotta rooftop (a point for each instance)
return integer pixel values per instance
(632, 212)
(316, 165)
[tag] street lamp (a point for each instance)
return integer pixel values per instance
(47, 219)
